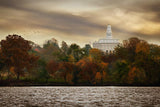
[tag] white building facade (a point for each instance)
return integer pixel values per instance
(106, 44)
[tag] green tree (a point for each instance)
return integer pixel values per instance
(120, 71)
(87, 49)
(75, 51)
(42, 73)
(127, 49)
(50, 51)
(63, 55)
(64, 47)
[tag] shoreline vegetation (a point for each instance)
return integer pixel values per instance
(20, 83)
(134, 62)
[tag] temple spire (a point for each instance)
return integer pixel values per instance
(109, 32)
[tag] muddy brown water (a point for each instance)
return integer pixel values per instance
(79, 96)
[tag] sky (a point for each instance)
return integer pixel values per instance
(80, 21)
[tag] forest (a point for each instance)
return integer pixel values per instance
(134, 62)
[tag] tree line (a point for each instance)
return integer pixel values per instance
(133, 62)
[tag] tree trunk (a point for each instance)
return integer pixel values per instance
(18, 76)
(8, 75)
(46, 80)
(101, 81)
(65, 78)
(1, 77)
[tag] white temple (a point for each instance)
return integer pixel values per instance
(106, 44)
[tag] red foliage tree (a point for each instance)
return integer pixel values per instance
(88, 70)
(52, 67)
(67, 70)
(15, 50)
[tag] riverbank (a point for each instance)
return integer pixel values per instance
(37, 83)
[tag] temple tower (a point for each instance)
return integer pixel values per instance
(106, 44)
(109, 32)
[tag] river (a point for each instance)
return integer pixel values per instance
(79, 96)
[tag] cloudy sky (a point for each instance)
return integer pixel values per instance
(80, 21)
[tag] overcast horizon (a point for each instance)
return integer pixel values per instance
(80, 21)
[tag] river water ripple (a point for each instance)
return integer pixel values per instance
(79, 96)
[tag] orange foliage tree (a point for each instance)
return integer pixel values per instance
(98, 77)
(103, 71)
(136, 75)
(142, 47)
(95, 54)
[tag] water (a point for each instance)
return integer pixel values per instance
(79, 96)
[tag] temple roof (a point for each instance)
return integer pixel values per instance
(108, 38)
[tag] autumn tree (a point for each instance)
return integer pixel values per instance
(52, 42)
(109, 58)
(141, 55)
(76, 52)
(98, 77)
(50, 50)
(15, 50)
(52, 67)
(2, 64)
(136, 76)
(64, 47)
(87, 49)
(96, 54)
(88, 70)
(42, 73)
(142, 47)
(104, 71)
(144, 60)
(120, 71)
(127, 49)
(64, 51)
(155, 51)
(155, 62)
(67, 69)
(71, 59)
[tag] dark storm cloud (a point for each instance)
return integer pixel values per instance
(36, 18)
(14, 4)
(146, 7)
(138, 6)
(150, 10)
(21, 14)
(141, 34)
(65, 22)
(155, 9)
